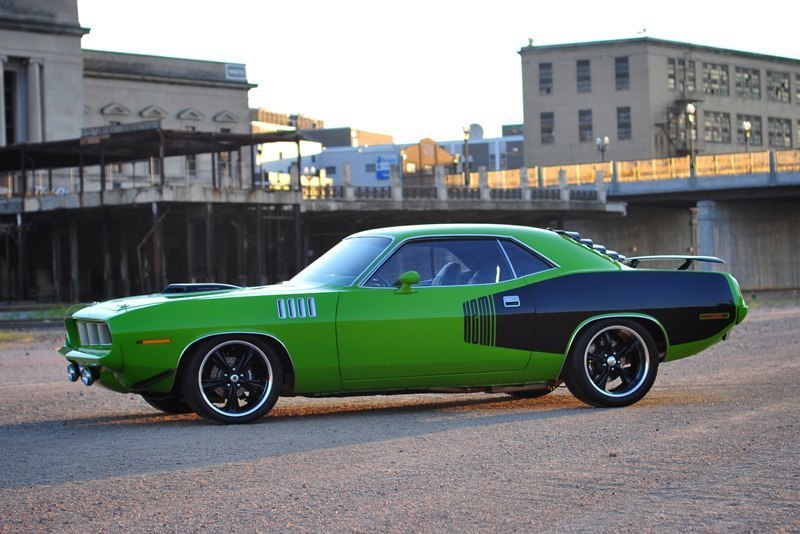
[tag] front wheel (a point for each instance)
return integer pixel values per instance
(613, 363)
(235, 379)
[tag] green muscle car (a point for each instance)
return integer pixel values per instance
(434, 308)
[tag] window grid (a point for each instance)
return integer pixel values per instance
(797, 89)
(585, 130)
(681, 75)
(624, 122)
(622, 73)
(780, 132)
(584, 76)
(548, 127)
(717, 127)
(715, 79)
(778, 86)
(756, 132)
(545, 78)
(748, 83)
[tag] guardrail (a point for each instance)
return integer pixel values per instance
(536, 183)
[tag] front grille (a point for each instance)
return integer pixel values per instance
(92, 333)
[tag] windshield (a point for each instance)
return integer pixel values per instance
(344, 262)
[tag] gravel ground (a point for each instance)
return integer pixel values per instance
(714, 446)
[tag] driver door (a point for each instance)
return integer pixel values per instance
(467, 316)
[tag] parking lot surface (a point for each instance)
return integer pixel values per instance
(714, 446)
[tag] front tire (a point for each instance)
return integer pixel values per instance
(613, 363)
(232, 379)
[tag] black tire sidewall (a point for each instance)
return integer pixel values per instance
(579, 383)
(197, 401)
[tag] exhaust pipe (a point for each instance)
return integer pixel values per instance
(89, 375)
(73, 372)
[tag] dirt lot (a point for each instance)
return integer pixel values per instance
(714, 446)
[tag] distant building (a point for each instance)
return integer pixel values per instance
(636, 92)
(51, 88)
(371, 164)
(336, 137)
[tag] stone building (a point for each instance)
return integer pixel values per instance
(636, 92)
(51, 88)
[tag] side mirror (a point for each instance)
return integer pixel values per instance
(407, 279)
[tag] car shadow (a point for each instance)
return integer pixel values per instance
(144, 442)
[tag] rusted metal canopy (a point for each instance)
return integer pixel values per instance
(108, 145)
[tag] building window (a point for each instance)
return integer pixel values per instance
(584, 76)
(585, 131)
(797, 89)
(548, 127)
(330, 171)
(681, 75)
(748, 83)
(624, 123)
(622, 73)
(717, 127)
(780, 132)
(778, 86)
(545, 78)
(715, 79)
(370, 167)
(756, 132)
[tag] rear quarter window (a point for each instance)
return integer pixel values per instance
(523, 260)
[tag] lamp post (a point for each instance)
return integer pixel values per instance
(602, 146)
(466, 156)
(746, 127)
(691, 110)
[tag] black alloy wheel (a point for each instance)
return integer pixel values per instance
(613, 363)
(232, 379)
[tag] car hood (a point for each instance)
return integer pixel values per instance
(110, 308)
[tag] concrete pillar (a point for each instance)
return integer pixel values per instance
(562, 185)
(483, 184)
(524, 184)
(210, 274)
(707, 241)
(35, 116)
(438, 180)
(3, 140)
(158, 258)
(396, 184)
(600, 186)
(74, 259)
(347, 182)
(57, 266)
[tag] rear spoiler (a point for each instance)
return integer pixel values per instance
(687, 260)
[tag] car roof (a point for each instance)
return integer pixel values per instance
(558, 248)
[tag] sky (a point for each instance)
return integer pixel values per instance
(413, 69)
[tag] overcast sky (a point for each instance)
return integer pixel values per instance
(412, 69)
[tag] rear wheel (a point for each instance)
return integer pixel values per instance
(167, 403)
(235, 379)
(613, 363)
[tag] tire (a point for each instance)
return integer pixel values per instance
(613, 363)
(232, 379)
(167, 403)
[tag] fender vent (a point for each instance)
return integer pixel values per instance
(297, 308)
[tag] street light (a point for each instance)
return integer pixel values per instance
(691, 110)
(466, 156)
(746, 127)
(602, 146)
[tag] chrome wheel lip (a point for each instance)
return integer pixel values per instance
(644, 355)
(267, 389)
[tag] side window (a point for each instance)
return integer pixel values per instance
(446, 262)
(523, 260)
